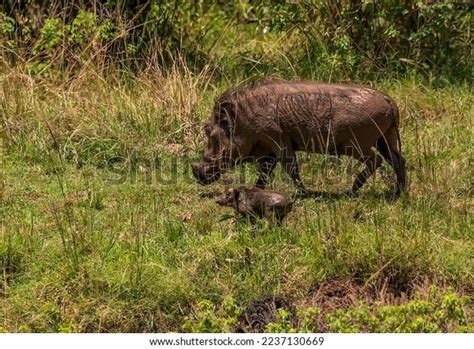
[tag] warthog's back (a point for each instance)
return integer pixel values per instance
(316, 116)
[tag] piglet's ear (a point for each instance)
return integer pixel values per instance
(235, 194)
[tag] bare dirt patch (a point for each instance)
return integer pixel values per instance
(329, 297)
(260, 313)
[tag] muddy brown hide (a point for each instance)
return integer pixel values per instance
(257, 203)
(269, 121)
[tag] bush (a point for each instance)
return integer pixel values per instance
(207, 319)
(431, 313)
(326, 40)
(438, 313)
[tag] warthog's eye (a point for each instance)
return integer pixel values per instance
(225, 126)
(207, 129)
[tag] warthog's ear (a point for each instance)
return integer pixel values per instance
(225, 113)
(226, 117)
(235, 195)
(207, 129)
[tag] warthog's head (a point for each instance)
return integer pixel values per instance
(220, 152)
(228, 198)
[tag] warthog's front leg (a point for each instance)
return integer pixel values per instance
(265, 167)
(290, 165)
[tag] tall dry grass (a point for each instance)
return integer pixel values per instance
(106, 118)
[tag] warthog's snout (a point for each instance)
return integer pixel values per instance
(227, 198)
(221, 201)
(205, 174)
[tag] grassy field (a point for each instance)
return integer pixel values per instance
(103, 228)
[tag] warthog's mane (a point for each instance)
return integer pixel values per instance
(225, 103)
(244, 89)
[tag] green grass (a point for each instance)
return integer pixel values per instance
(82, 252)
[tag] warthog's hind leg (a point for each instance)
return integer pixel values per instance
(372, 161)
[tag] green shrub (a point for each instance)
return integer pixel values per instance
(325, 39)
(51, 36)
(283, 323)
(438, 313)
(208, 319)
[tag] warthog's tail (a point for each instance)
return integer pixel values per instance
(390, 147)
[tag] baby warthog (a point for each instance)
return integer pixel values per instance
(257, 203)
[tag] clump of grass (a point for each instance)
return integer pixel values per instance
(101, 122)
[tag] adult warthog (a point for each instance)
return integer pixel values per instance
(270, 120)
